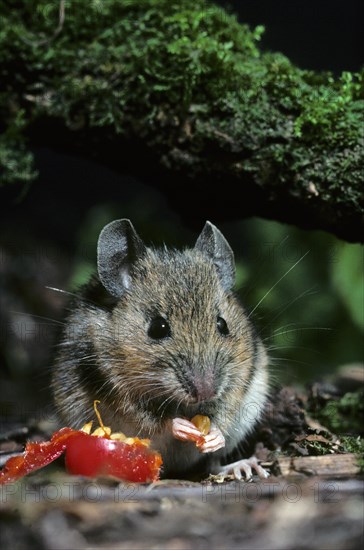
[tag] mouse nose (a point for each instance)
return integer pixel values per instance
(202, 387)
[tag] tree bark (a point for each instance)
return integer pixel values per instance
(180, 92)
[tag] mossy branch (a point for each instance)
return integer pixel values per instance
(191, 83)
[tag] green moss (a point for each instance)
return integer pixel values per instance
(344, 415)
(16, 163)
(185, 77)
(355, 445)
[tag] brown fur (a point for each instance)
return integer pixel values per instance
(142, 383)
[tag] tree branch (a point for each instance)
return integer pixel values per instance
(186, 85)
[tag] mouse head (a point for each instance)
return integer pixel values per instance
(180, 337)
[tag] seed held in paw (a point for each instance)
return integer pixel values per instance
(202, 423)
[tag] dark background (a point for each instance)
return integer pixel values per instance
(48, 236)
(324, 35)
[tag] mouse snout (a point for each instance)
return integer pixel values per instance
(202, 386)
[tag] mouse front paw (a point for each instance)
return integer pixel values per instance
(246, 466)
(213, 441)
(184, 430)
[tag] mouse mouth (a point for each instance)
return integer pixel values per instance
(189, 410)
(186, 408)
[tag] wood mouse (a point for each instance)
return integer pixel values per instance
(158, 337)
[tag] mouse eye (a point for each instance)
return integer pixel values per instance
(222, 326)
(159, 328)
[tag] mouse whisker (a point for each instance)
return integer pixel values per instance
(79, 297)
(175, 395)
(302, 328)
(33, 315)
(305, 348)
(308, 292)
(279, 280)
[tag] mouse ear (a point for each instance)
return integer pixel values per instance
(118, 248)
(213, 244)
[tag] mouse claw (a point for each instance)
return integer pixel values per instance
(246, 466)
(213, 441)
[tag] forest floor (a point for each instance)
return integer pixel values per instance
(284, 512)
(313, 498)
